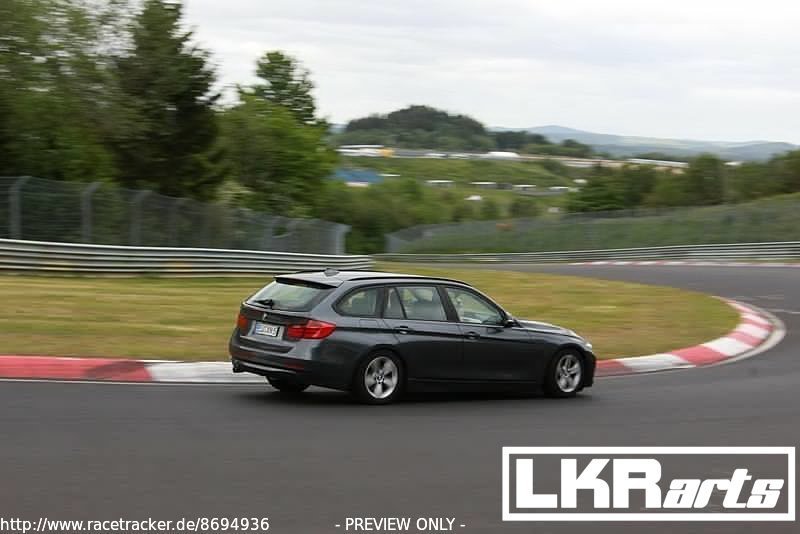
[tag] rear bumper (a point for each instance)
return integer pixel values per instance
(247, 359)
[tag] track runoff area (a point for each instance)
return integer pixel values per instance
(709, 449)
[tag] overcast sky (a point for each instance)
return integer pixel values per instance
(698, 69)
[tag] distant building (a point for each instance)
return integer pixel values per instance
(659, 163)
(371, 151)
(580, 163)
(485, 185)
(497, 154)
(439, 183)
(357, 177)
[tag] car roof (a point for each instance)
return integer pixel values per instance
(334, 278)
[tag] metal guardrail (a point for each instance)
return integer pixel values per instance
(69, 258)
(736, 251)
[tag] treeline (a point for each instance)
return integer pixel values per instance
(424, 127)
(400, 203)
(706, 181)
(118, 91)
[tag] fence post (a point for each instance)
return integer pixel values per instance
(267, 232)
(86, 211)
(136, 216)
(173, 221)
(339, 235)
(15, 207)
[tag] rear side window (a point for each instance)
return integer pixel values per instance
(360, 303)
(290, 295)
(422, 303)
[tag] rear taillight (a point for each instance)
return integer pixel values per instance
(311, 329)
(242, 322)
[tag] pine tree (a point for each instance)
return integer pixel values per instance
(287, 84)
(171, 128)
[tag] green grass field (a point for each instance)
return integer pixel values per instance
(469, 170)
(191, 319)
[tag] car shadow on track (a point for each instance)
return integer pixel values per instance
(326, 397)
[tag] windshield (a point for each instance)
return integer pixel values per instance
(290, 296)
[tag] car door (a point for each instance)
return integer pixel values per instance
(429, 342)
(492, 351)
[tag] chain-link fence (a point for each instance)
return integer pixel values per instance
(101, 213)
(755, 222)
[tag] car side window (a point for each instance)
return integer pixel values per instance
(394, 310)
(361, 303)
(472, 308)
(422, 303)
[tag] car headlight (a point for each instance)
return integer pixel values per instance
(585, 342)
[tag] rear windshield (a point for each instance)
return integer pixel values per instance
(290, 295)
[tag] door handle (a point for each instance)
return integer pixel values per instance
(402, 329)
(472, 335)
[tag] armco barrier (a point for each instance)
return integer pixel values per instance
(722, 252)
(44, 257)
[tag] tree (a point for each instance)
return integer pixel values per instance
(516, 140)
(281, 160)
(752, 180)
(54, 90)
(668, 191)
(786, 169)
(605, 191)
(704, 180)
(166, 82)
(287, 84)
(637, 181)
(489, 209)
(523, 206)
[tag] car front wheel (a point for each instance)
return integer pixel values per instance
(564, 374)
(286, 385)
(378, 379)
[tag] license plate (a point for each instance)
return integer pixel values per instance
(263, 329)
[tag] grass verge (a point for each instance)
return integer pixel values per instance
(191, 319)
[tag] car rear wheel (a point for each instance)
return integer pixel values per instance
(286, 385)
(564, 374)
(378, 379)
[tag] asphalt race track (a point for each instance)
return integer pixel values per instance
(103, 451)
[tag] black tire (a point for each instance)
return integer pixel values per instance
(565, 374)
(372, 376)
(287, 384)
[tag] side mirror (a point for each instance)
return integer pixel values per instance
(510, 322)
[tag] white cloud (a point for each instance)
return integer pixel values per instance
(700, 68)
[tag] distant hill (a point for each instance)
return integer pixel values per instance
(421, 127)
(426, 128)
(626, 146)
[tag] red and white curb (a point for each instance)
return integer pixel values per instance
(120, 370)
(692, 263)
(754, 330)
